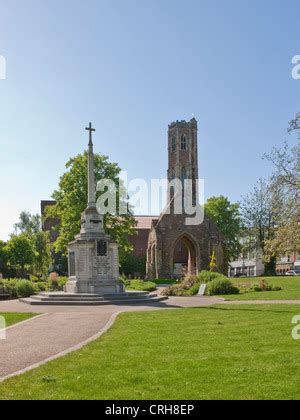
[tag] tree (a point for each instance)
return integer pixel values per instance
(3, 257)
(43, 254)
(131, 265)
(20, 252)
(31, 226)
(71, 200)
(286, 240)
(286, 166)
(261, 211)
(286, 179)
(227, 218)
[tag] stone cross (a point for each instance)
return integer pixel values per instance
(91, 130)
(91, 171)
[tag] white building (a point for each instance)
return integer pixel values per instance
(246, 267)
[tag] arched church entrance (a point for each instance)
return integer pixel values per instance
(184, 257)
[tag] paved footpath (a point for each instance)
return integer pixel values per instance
(62, 329)
(59, 330)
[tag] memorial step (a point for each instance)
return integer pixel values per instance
(59, 295)
(112, 298)
(129, 300)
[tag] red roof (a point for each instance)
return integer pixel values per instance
(145, 222)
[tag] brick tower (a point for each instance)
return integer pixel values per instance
(183, 153)
(176, 248)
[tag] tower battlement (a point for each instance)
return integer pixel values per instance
(183, 153)
(183, 124)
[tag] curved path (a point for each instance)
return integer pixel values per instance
(59, 330)
(62, 329)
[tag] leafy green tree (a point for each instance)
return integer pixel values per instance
(261, 212)
(3, 257)
(286, 240)
(31, 226)
(43, 254)
(286, 179)
(227, 218)
(20, 252)
(132, 265)
(71, 201)
(28, 223)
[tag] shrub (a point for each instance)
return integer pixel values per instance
(34, 279)
(208, 276)
(175, 290)
(188, 287)
(131, 265)
(62, 281)
(222, 287)
(264, 286)
(24, 288)
(41, 286)
(9, 286)
(53, 285)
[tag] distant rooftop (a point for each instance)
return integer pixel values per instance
(145, 222)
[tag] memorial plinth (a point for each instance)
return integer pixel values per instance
(93, 260)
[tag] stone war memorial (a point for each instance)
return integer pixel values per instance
(93, 260)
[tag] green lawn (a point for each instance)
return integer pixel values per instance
(14, 318)
(234, 352)
(290, 289)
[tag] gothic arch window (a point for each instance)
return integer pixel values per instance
(183, 143)
(174, 144)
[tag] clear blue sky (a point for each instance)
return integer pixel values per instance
(132, 67)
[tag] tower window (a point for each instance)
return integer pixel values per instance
(183, 143)
(174, 144)
(183, 174)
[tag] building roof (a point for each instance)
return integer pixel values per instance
(145, 222)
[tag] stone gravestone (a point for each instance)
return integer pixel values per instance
(202, 289)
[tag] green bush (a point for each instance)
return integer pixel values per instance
(41, 286)
(56, 284)
(24, 288)
(34, 279)
(62, 281)
(222, 287)
(188, 287)
(264, 286)
(53, 285)
(208, 276)
(9, 285)
(131, 265)
(175, 290)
